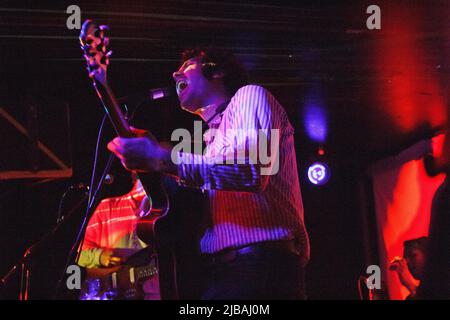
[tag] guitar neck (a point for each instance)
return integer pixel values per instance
(113, 110)
(150, 180)
(145, 271)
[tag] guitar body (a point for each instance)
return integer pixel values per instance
(123, 282)
(171, 225)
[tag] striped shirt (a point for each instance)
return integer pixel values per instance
(113, 226)
(250, 201)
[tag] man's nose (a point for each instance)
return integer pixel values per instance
(176, 74)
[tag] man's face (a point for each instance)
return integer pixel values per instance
(416, 263)
(192, 86)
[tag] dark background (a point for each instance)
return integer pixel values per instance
(378, 91)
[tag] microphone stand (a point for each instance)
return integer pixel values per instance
(24, 261)
(93, 199)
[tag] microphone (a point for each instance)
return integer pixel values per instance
(77, 186)
(149, 95)
(109, 179)
(155, 94)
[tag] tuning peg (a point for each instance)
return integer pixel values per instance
(91, 72)
(100, 32)
(93, 67)
(86, 47)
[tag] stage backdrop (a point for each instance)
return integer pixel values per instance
(403, 192)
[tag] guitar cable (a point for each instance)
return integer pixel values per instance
(91, 199)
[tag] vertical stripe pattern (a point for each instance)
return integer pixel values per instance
(246, 205)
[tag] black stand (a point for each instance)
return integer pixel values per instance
(92, 203)
(24, 262)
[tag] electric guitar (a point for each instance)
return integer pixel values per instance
(94, 43)
(124, 282)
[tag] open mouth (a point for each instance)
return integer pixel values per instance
(181, 85)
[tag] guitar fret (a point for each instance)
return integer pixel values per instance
(146, 272)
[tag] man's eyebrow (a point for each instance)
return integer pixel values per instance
(187, 62)
(184, 64)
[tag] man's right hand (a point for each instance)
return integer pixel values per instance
(143, 153)
(107, 259)
(399, 265)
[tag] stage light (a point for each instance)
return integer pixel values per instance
(315, 119)
(318, 173)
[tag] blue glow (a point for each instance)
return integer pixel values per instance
(315, 117)
(318, 173)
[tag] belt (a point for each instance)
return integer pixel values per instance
(228, 255)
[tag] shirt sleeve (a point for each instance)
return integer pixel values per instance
(245, 152)
(90, 258)
(91, 250)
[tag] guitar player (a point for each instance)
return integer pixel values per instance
(254, 238)
(111, 238)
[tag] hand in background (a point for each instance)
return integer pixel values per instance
(399, 265)
(107, 259)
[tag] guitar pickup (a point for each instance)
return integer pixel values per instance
(114, 280)
(132, 279)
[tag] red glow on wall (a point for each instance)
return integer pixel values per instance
(409, 93)
(403, 193)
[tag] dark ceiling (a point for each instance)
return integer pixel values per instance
(316, 50)
(368, 93)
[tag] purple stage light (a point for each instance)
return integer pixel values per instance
(318, 173)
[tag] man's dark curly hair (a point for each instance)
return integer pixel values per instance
(216, 60)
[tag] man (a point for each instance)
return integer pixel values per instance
(436, 279)
(254, 236)
(111, 238)
(410, 268)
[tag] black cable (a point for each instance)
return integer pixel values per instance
(91, 203)
(91, 199)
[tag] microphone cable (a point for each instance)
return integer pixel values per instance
(91, 198)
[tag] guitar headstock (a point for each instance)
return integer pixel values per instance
(94, 43)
